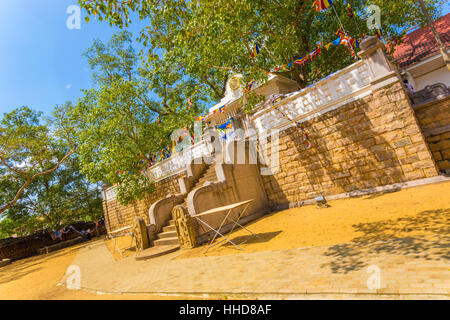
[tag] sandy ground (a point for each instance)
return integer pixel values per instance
(36, 278)
(417, 211)
(390, 215)
(126, 246)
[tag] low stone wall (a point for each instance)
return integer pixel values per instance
(118, 216)
(23, 247)
(434, 119)
(60, 245)
(370, 142)
(17, 248)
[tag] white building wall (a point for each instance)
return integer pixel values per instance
(430, 71)
(441, 75)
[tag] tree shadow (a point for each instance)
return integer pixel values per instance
(381, 193)
(33, 264)
(394, 237)
(258, 238)
(352, 149)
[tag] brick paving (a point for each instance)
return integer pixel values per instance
(409, 267)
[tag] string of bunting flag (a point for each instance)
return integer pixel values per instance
(343, 38)
(277, 98)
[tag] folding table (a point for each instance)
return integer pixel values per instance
(221, 210)
(116, 234)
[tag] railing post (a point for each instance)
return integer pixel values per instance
(382, 72)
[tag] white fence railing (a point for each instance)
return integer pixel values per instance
(177, 162)
(335, 90)
(329, 93)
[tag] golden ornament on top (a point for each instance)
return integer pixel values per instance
(235, 83)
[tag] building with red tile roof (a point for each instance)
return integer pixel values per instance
(419, 55)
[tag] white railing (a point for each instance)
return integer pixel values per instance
(329, 93)
(177, 162)
(335, 90)
(110, 193)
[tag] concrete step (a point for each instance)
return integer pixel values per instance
(154, 252)
(168, 228)
(202, 183)
(171, 223)
(167, 234)
(166, 241)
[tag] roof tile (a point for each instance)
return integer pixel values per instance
(420, 44)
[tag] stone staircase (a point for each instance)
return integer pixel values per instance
(168, 234)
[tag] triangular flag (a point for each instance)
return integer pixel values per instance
(255, 51)
(336, 42)
(327, 46)
(322, 4)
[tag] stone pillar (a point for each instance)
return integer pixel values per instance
(184, 184)
(381, 71)
(140, 233)
(105, 208)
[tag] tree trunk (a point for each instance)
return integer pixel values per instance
(301, 83)
(436, 35)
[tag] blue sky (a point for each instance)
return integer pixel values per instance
(41, 62)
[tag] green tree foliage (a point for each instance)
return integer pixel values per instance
(189, 50)
(27, 151)
(209, 39)
(116, 122)
(39, 163)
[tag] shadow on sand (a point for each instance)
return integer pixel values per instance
(259, 238)
(395, 237)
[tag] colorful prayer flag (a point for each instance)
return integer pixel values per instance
(189, 103)
(302, 60)
(340, 32)
(379, 34)
(336, 42)
(345, 40)
(350, 12)
(255, 51)
(322, 4)
(226, 125)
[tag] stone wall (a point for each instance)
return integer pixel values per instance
(434, 119)
(118, 216)
(23, 247)
(367, 143)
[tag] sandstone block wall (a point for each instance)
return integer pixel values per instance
(371, 142)
(434, 119)
(119, 216)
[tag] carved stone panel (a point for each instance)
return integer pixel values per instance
(184, 225)
(140, 233)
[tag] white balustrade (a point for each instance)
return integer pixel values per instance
(329, 93)
(177, 162)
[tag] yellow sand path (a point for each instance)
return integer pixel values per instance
(417, 211)
(310, 226)
(36, 278)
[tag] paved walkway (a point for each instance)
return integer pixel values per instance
(337, 252)
(408, 267)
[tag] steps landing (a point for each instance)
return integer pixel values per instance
(156, 251)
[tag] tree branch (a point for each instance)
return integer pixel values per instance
(13, 169)
(31, 179)
(213, 87)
